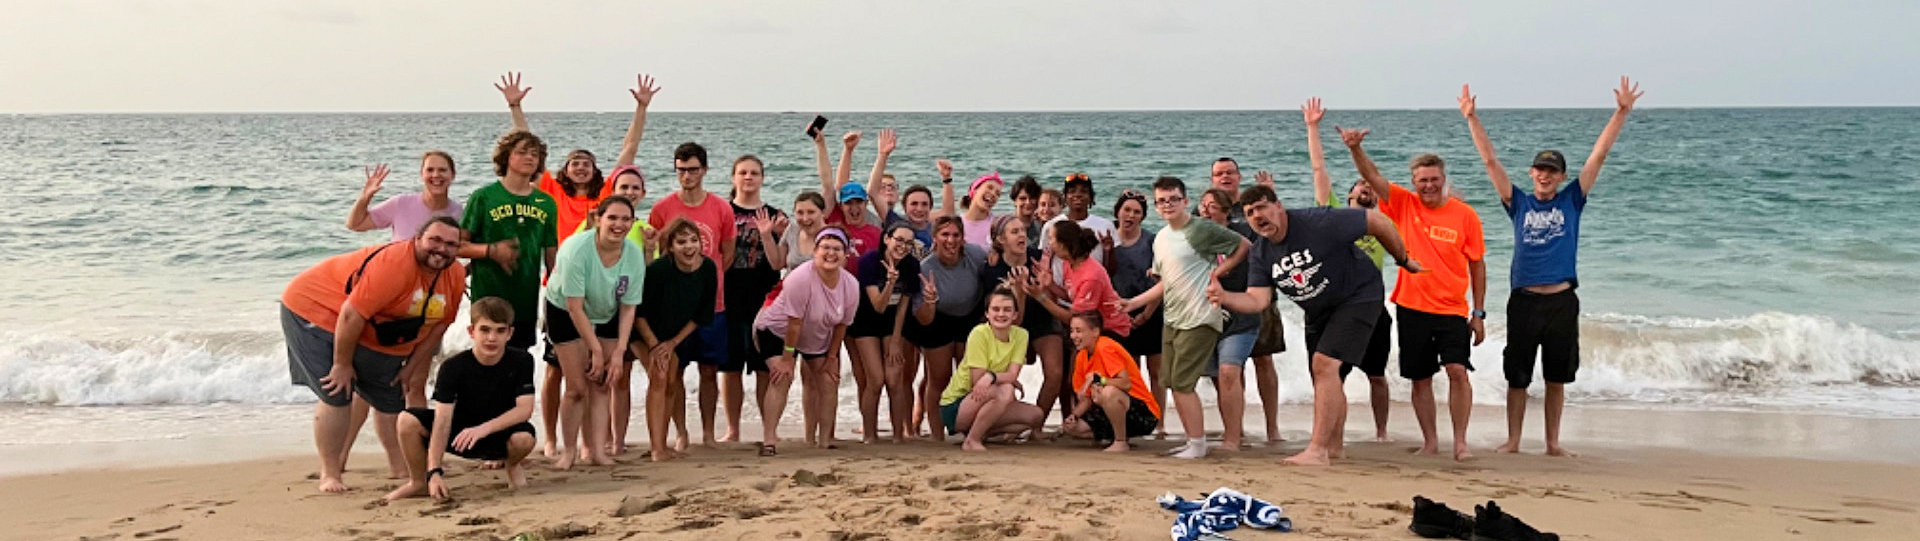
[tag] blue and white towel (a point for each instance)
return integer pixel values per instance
(1223, 510)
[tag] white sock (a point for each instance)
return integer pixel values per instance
(1197, 449)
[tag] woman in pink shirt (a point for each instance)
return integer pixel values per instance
(807, 321)
(1088, 286)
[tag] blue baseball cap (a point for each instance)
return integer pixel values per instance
(852, 191)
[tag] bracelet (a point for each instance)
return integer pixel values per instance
(995, 376)
(489, 250)
(790, 349)
(948, 180)
(436, 471)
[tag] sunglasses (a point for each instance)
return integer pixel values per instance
(1078, 176)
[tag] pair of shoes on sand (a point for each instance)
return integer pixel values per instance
(1434, 520)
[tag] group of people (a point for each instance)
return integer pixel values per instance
(938, 308)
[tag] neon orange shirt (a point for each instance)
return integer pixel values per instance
(1443, 240)
(573, 210)
(1110, 361)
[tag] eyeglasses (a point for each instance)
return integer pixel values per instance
(1169, 201)
(688, 170)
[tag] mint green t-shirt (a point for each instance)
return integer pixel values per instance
(577, 272)
(1184, 259)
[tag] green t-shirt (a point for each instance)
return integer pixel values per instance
(1367, 243)
(1184, 259)
(495, 214)
(577, 272)
(987, 353)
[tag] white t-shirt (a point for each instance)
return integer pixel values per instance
(1098, 225)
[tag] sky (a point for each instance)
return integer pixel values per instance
(908, 55)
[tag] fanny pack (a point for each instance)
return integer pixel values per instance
(395, 331)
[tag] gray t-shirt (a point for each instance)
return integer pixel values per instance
(959, 285)
(1131, 264)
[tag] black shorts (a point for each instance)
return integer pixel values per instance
(526, 332)
(766, 345)
(560, 329)
(492, 447)
(1039, 322)
(1342, 332)
(1374, 364)
(1144, 340)
(945, 330)
(1549, 324)
(1140, 420)
(1428, 341)
(740, 353)
(870, 324)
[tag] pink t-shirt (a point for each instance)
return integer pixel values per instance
(714, 217)
(406, 213)
(819, 307)
(1092, 289)
(978, 232)
(863, 237)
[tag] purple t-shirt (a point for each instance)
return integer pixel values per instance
(819, 307)
(406, 213)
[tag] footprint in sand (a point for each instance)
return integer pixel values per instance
(953, 482)
(1876, 503)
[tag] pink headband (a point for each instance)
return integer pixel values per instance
(831, 232)
(994, 176)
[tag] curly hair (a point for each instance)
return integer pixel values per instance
(504, 150)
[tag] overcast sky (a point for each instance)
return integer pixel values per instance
(909, 55)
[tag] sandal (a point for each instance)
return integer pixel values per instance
(766, 450)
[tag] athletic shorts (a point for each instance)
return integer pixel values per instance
(1374, 365)
(1140, 420)
(310, 358)
(1428, 341)
(707, 345)
(526, 331)
(870, 324)
(1186, 353)
(1145, 338)
(1344, 332)
(560, 329)
(950, 414)
(1549, 324)
(945, 330)
(492, 447)
(766, 345)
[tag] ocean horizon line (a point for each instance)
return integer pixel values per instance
(934, 111)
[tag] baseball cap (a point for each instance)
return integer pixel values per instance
(852, 191)
(1550, 158)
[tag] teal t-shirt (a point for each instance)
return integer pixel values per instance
(1184, 259)
(1367, 243)
(577, 272)
(495, 214)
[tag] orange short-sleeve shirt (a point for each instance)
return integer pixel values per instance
(1110, 361)
(1444, 240)
(393, 287)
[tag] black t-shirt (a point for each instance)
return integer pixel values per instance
(482, 393)
(873, 272)
(670, 298)
(1036, 314)
(1317, 265)
(751, 276)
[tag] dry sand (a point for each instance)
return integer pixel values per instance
(1038, 490)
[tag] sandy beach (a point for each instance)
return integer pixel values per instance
(1039, 490)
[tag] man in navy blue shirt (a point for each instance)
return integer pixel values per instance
(1543, 313)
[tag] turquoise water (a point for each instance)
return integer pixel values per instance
(1737, 257)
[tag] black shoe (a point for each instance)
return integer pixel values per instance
(1437, 521)
(1492, 524)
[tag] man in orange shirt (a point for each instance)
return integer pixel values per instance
(1435, 322)
(354, 324)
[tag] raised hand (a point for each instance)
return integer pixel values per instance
(781, 223)
(1628, 93)
(375, 175)
(764, 224)
(1467, 106)
(945, 167)
(851, 139)
(888, 141)
(1352, 138)
(929, 292)
(1263, 178)
(643, 90)
(1313, 111)
(893, 272)
(509, 87)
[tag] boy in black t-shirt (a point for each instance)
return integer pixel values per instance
(483, 399)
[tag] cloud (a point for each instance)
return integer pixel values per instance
(320, 13)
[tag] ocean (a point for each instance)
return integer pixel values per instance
(1731, 259)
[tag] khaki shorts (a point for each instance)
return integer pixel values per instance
(1186, 353)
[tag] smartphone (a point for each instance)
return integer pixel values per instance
(813, 129)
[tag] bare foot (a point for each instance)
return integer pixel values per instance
(517, 475)
(706, 440)
(1309, 457)
(732, 435)
(1230, 446)
(548, 450)
(564, 463)
(1460, 453)
(971, 445)
(332, 485)
(400, 473)
(1382, 438)
(1337, 454)
(1510, 447)
(1556, 450)
(1119, 447)
(680, 442)
(1273, 437)
(661, 455)
(601, 460)
(1431, 449)
(408, 490)
(492, 465)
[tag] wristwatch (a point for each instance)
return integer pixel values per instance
(1481, 314)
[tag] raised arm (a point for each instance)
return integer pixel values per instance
(1353, 138)
(828, 191)
(1317, 153)
(359, 219)
(1382, 229)
(509, 87)
(844, 173)
(642, 96)
(946, 187)
(1495, 172)
(1623, 100)
(888, 141)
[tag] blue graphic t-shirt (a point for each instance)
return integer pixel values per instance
(1546, 235)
